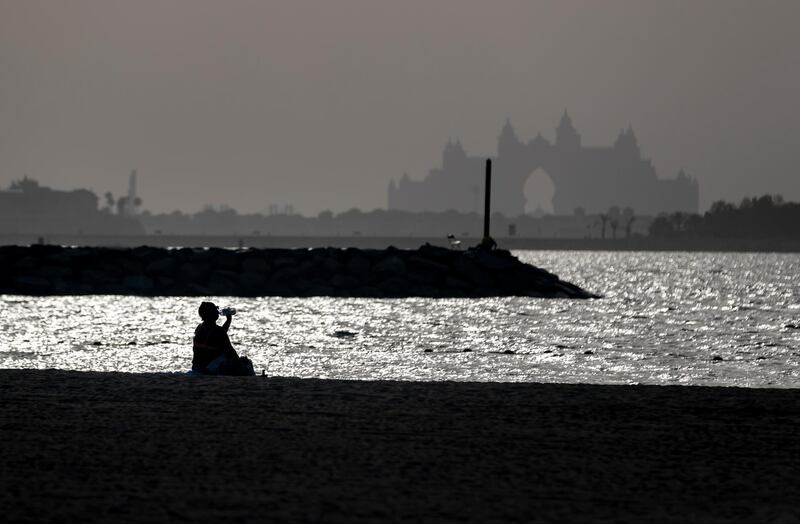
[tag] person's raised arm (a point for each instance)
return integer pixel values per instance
(227, 323)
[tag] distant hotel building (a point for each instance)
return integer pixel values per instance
(592, 178)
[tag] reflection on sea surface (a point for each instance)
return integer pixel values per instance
(667, 318)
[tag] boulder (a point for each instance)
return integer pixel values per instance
(452, 282)
(192, 272)
(251, 281)
(61, 258)
(321, 291)
(27, 263)
(466, 268)
(436, 253)
(72, 287)
(309, 269)
(254, 265)
(301, 287)
(344, 281)
(394, 287)
(129, 266)
(31, 285)
(97, 279)
(54, 272)
(162, 266)
(358, 265)
(224, 259)
(146, 254)
(367, 292)
(223, 283)
(282, 257)
(496, 260)
(198, 290)
(426, 271)
(163, 283)
(391, 266)
(332, 266)
(425, 291)
(138, 284)
(285, 276)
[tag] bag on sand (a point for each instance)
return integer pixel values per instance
(242, 367)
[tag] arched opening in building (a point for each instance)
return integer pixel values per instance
(539, 192)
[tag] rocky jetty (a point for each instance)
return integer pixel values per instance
(148, 271)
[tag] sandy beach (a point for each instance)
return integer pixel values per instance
(99, 447)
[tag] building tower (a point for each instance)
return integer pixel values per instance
(566, 134)
(132, 200)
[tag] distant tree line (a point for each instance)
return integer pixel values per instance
(765, 217)
(616, 223)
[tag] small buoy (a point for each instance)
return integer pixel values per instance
(428, 350)
(717, 358)
(588, 352)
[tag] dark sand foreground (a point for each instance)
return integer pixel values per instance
(86, 447)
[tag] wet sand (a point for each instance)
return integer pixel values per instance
(103, 447)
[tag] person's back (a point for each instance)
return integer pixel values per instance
(210, 342)
(212, 349)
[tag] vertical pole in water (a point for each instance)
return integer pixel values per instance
(487, 202)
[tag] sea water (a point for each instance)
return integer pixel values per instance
(665, 318)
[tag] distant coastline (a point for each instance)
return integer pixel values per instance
(765, 245)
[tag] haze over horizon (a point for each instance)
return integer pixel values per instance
(319, 105)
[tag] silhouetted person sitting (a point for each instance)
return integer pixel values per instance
(213, 351)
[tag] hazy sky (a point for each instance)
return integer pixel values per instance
(319, 104)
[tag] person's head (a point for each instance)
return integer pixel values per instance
(208, 312)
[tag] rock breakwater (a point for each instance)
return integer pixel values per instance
(148, 271)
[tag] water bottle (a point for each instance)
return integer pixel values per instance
(227, 311)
